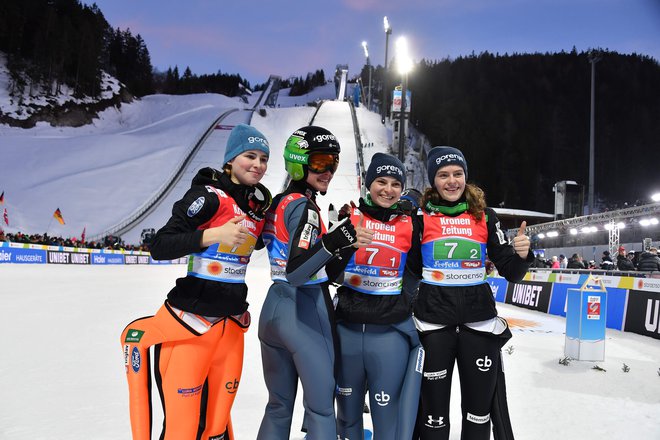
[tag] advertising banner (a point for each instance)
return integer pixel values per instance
(22, 256)
(530, 295)
(616, 303)
(586, 316)
(498, 286)
(136, 259)
(396, 101)
(62, 257)
(643, 313)
(107, 258)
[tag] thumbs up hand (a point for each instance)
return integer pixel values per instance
(364, 236)
(520, 242)
(232, 233)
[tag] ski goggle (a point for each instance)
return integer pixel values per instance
(321, 162)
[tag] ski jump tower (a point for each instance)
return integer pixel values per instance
(341, 75)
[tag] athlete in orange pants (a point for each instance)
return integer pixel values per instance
(197, 374)
(198, 334)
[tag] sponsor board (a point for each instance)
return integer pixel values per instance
(22, 256)
(643, 313)
(499, 288)
(530, 295)
(57, 257)
(136, 259)
(107, 259)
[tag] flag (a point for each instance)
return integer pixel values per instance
(6, 217)
(2, 198)
(58, 216)
(82, 236)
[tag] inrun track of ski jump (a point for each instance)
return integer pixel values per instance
(62, 371)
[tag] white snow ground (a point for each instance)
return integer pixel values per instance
(62, 373)
(62, 370)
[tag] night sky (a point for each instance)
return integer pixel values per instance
(293, 37)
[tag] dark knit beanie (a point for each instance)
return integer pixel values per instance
(385, 165)
(243, 138)
(442, 156)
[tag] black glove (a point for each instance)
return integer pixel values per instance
(340, 235)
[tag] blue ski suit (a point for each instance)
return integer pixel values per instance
(379, 346)
(296, 322)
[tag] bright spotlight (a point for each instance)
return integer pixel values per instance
(656, 197)
(573, 231)
(404, 63)
(541, 235)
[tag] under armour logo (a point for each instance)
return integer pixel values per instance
(435, 423)
(382, 398)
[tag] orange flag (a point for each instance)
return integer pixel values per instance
(58, 216)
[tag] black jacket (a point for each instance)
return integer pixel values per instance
(574, 263)
(648, 262)
(357, 307)
(180, 237)
(452, 305)
(623, 263)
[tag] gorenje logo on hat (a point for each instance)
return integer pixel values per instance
(253, 139)
(448, 158)
(389, 169)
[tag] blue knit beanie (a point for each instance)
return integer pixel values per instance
(243, 138)
(442, 156)
(385, 165)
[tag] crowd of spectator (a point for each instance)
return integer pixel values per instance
(109, 242)
(646, 261)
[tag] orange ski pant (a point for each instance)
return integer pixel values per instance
(197, 376)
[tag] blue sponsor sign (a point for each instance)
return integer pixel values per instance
(498, 286)
(22, 256)
(586, 317)
(558, 301)
(616, 302)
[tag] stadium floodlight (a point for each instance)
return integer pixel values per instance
(366, 54)
(656, 197)
(403, 60)
(388, 31)
(404, 66)
(541, 236)
(573, 231)
(648, 221)
(553, 234)
(621, 225)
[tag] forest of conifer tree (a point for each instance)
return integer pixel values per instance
(523, 122)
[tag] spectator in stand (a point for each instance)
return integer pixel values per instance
(555, 263)
(592, 265)
(563, 262)
(575, 262)
(649, 261)
(622, 261)
(633, 257)
(606, 261)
